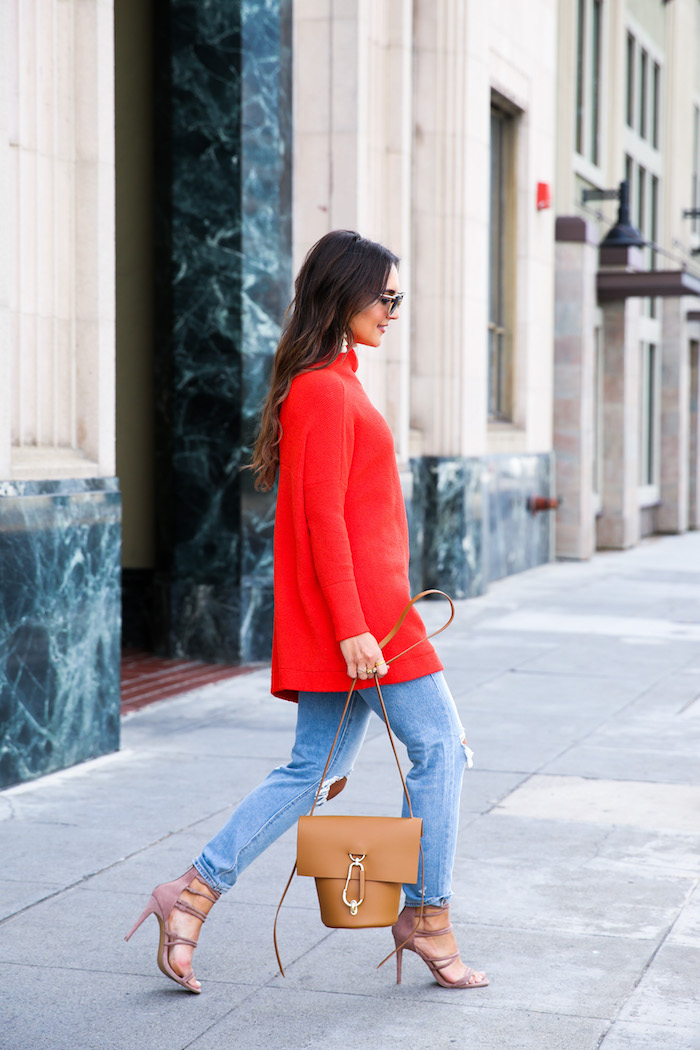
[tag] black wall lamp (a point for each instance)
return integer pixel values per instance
(623, 234)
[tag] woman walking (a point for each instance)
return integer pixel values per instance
(340, 582)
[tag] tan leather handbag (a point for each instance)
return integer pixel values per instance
(360, 863)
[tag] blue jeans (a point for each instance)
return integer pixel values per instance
(422, 715)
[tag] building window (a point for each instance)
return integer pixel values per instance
(588, 74)
(501, 264)
(629, 169)
(598, 402)
(648, 415)
(655, 99)
(643, 92)
(695, 178)
(596, 45)
(694, 449)
(644, 202)
(644, 211)
(653, 218)
(643, 160)
(642, 98)
(630, 80)
(580, 74)
(641, 201)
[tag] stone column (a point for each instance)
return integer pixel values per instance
(352, 149)
(223, 270)
(60, 505)
(7, 48)
(574, 379)
(694, 425)
(449, 293)
(450, 228)
(618, 524)
(672, 515)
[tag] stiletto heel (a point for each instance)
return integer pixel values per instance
(405, 931)
(163, 899)
(149, 910)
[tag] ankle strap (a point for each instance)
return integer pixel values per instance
(190, 909)
(197, 893)
(432, 933)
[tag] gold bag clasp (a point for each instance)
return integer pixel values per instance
(355, 862)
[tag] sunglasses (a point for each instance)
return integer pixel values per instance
(393, 302)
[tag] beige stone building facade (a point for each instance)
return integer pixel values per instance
(627, 331)
(410, 98)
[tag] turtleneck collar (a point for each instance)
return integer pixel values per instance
(347, 358)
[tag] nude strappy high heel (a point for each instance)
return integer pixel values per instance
(163, 899)
(405, 933)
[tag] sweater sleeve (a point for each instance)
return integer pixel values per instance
(327, 459)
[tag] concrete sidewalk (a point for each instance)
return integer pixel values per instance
(577, 875)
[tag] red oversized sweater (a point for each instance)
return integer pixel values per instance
(341, 537)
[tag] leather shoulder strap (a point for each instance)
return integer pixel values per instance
(399, 623)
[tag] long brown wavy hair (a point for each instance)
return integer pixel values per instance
(342, 275)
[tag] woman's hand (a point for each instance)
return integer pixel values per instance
(362, 655)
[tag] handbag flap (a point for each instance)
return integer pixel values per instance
(390, 846)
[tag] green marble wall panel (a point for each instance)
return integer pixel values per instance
(59, 624)
(223, 266)
(446, 525)
(517, 539)
(470, 520)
